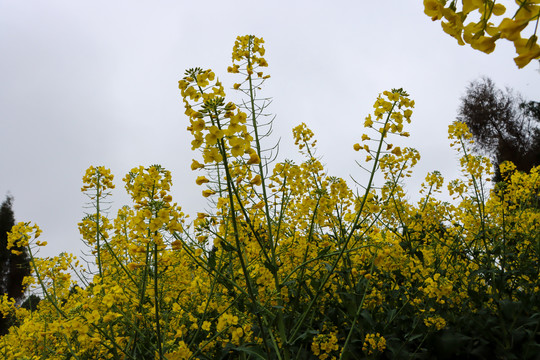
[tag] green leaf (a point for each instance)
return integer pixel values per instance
(256, 352)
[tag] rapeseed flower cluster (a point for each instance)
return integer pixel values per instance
(374, 343)
(325, 346)
(289, 262)
(481, 33)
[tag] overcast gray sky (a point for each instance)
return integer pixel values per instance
(95, 83)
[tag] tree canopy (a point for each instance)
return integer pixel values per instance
(504, 126)
(14, 266)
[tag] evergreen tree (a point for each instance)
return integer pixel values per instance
(504, 125)
(13, 268)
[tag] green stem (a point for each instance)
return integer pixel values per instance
(156, 302)
(353, 228)
(358, 311)
(235, 229)
(98, 231)
(281, 324)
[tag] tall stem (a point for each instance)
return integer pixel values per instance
(156, 301)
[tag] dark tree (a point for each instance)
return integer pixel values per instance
(504, 126)
(13, 268)
(31, 302)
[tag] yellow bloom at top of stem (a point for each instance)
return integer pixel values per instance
(148, 185)
(434, 9)
(195, 85)
(392, 96)
(434, 179)
(302, 134)
(397, 108)
(97, 176)
(251, 49)
(21, 234)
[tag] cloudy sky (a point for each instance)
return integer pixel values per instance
(95, 83)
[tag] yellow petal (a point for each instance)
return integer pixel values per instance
(498, 9)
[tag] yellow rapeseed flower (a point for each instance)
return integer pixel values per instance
(201, 180)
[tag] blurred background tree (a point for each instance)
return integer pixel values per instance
(13, 267)
(504, 126)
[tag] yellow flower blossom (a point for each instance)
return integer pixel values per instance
(208, 192)
(253, 159)
(201, 180)
(196, 165)
(256, 180)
